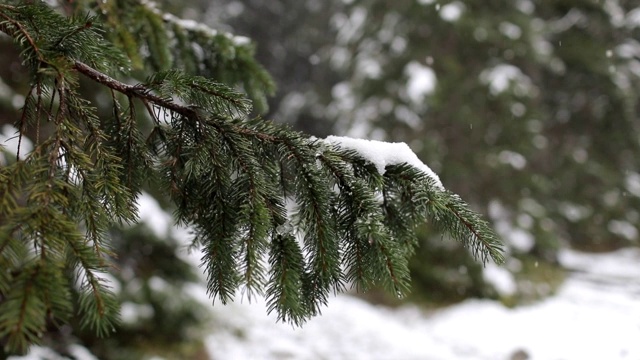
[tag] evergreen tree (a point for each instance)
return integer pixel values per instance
(275, 212)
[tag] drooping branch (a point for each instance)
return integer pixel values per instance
(142, 92)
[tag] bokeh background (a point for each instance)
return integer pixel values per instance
(527, 109)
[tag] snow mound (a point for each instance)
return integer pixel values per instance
(381, 154)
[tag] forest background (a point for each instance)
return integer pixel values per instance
(528, 110)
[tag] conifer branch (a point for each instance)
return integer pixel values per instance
(11, 32)
(137, 91)
(228, 176)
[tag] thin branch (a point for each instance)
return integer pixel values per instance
(141, 92)
(138, 91)
(21, 29)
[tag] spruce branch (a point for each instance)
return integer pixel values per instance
(14, 28)
(228, 176)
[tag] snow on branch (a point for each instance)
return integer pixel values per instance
(382, 154)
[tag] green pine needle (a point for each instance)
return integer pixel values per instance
(276, 213)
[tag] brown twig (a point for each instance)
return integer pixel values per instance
(138, 91)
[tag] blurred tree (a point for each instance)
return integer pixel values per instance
(275, 212)
(544, 94)
(292, 50)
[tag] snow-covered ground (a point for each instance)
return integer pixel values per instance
(594, 315)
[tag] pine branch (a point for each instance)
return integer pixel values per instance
(11, 26)
(137, 91)
(229, 178)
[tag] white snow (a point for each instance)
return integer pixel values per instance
(152, 215)
(516, 160)
(42, 353)
(623, 228)
(451, 12)
(368, 67)
(421, 81)
(510, 30)
(632, 20)
(632, 183)
(526, 6)
(515, 236)
(381, 154)
(595, 315)
(195, 26)
(520, 240)
(629, 48)
(500, 77)
(616, 12)
(81, 353)
(350, 27)
(9, 141)
(130, 312)
(501, 279)
(574, 212)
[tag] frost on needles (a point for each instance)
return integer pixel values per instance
(229, 176)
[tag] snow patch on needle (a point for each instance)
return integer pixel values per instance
(381, 154)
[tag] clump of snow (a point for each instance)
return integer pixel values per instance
(452, 11)
(9, 141)
(39, 353)
(81, 353)
(526, 6)
(195, 26)
(111, 283)
(623, 228)
(516, 237)
(189, 24)
(350, 27)
(76, 351)
(572, 18)
(132, 313)
(368, 67)
(381, 154)
(240, 40)
(343, 95)
(632, 183)
(510, 30)
(616, 12)
(574, 212)
(519, 239)
(422, 81)
(628, 49)
(632, 20)
(152, 215)
(500, 77)
(516, 160)
(501, 279)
